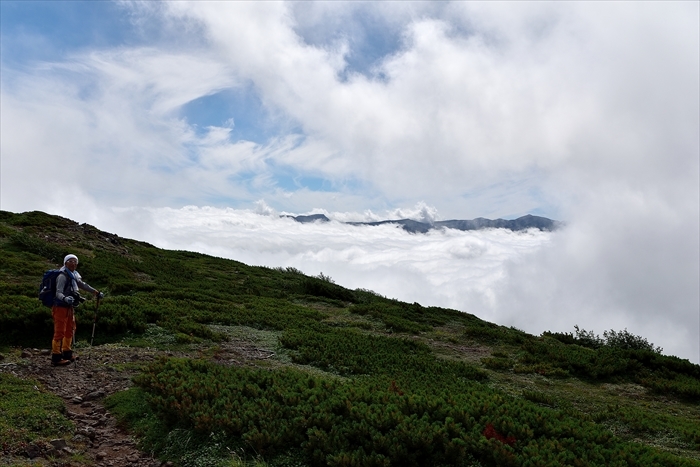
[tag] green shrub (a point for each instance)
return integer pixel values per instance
(324, 288)
(494, 334)
(23, 319)
(39, 247)
(348, 352)
(627, 341)
(539, 397)
(662, 373)
(496, 363)
(623, 340)
(374, 421)
(397, 317)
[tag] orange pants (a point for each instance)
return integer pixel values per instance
(63, 327)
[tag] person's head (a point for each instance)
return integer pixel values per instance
(70, 262)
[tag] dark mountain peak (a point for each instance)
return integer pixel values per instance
(409, 225)
(521, 223)
(310, 218)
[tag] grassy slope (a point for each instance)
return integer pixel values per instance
(351, 341)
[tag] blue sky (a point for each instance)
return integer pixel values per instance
(586, 112)
(48, 30)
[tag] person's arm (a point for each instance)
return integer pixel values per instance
(84, 285)
(61, 286)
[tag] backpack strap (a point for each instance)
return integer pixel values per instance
(69, 283)
(72, 279)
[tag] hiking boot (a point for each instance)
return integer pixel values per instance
(69, 355)
(58, 360)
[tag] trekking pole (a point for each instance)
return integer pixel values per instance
(97, 306)
(74, 330)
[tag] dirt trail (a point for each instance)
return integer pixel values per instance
(98, 372)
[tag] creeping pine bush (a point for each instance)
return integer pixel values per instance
(406, 317)
(38, 246)
(627, 341)
(347, 352)
(619, 356)
(623, 340)
(373, 421)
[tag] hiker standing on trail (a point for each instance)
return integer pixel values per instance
(63, 311)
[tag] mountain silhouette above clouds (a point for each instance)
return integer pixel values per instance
(521, 223)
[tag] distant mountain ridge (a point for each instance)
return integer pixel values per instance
(409, 225)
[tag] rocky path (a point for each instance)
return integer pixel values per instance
(98, 441)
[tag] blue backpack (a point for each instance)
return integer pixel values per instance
(47, 289)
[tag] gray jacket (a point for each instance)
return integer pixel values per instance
(63, 288)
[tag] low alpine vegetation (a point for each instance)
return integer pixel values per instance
(29, 414)
(373, 421)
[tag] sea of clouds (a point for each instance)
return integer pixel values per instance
(533, 280)
(447, 267)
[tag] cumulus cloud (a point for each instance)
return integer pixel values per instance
(471, 97)
(421, 213)
(454, 109)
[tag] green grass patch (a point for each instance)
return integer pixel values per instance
(29, 413)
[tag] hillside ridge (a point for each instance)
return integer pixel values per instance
(327, 375)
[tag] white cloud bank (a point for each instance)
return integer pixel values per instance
(533, 280)
(445, 268)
